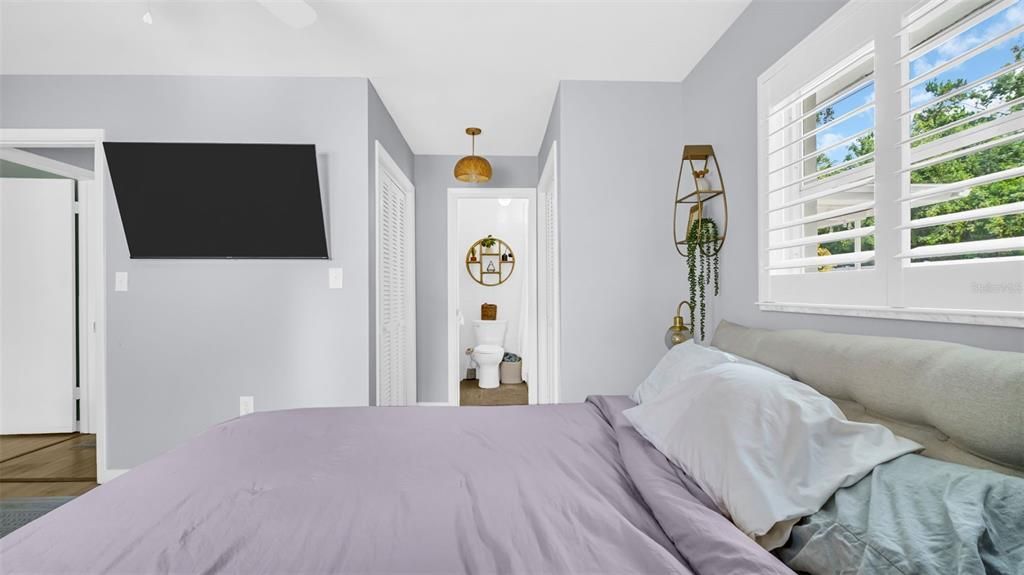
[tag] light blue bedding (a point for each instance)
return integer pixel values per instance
(915, 515)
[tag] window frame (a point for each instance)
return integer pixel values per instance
(884, 293)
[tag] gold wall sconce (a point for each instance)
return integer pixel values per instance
(677, 333)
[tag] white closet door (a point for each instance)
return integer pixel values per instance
(396, 383)
(37, 306)
(548, 283)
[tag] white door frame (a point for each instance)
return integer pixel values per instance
(92, 269)
(385, 163)
(549, 362)
(456, 266)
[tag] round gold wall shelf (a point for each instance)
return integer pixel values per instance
(708, 189)
(490, 266)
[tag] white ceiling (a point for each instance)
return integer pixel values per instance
(438, 66)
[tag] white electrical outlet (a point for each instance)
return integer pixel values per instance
(335, 278)
(121, 281)
(246, 405)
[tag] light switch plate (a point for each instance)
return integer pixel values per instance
(246, 405)
(121, 281)
(335, 278)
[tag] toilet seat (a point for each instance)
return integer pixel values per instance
(488, 349)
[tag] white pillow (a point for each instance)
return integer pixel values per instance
(767, 449)
(681, 361)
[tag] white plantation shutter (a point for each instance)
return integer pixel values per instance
(962, 156)
(817, 141)
(395, 294)
(821, 172)
(891, 165)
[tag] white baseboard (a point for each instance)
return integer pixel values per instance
(433, 404)
(106, 475)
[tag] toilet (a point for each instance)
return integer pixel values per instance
(488, 351)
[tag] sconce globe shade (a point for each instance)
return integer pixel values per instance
(675, 336)
(677, 333)
(473, 169)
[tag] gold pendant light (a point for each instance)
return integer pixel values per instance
(473, 168)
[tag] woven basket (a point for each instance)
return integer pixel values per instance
(489, 312)
(510, 372)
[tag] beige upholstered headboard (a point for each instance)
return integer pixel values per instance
(963, 404)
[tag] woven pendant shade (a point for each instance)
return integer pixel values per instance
(473, 168)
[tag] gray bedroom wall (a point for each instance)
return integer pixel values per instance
(381, 128)
(433, 178)
(552, 132)
(189, 337)
(620, 274)
(719, 100)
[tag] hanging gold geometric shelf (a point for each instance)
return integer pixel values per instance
(708, 186)
(490, 265)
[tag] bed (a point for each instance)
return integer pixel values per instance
(541, 489)
(553, 489)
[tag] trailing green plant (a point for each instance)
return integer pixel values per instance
(702, 266)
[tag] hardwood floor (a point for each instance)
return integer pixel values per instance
(470, 393)
(39, 489)
(47, 465)
(12, 446)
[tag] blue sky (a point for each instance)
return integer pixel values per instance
(984, 63)
(972, 69)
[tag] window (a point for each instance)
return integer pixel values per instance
(891, 146)
(821, 173)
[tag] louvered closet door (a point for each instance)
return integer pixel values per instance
(548, 309)
(547, 318)
(396, 369)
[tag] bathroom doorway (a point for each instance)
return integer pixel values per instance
(492, 259)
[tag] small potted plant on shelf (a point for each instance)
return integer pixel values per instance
(488, 244)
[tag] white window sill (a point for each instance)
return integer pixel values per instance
(974, 317)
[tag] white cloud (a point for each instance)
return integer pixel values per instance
(828, 139)
(969, 39)
(920, 98)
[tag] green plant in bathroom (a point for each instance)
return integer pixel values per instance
(488, 243)
(702, 265)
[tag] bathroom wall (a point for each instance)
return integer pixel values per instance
(433, 177)
(478, 218)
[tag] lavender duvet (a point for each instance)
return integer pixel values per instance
(540, 489)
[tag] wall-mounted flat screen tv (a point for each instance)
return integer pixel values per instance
(218, 200)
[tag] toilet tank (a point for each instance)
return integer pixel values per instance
(490, 332)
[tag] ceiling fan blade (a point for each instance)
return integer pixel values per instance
(295, 13)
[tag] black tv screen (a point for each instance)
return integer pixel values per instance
(218, 200)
